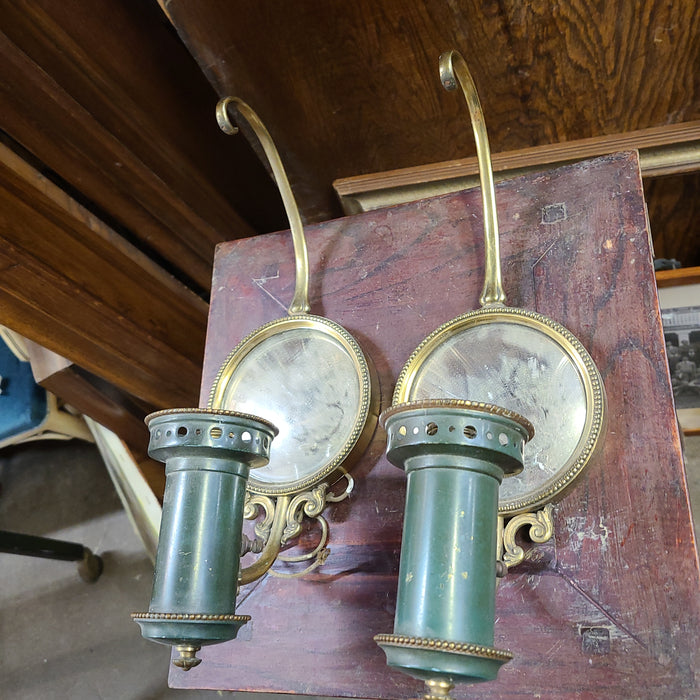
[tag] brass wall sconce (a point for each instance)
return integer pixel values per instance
(477, 469)
(310, 378)
(208, 456)
(457, 453)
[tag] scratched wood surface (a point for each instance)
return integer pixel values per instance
(610, 608)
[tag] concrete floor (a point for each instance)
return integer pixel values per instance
(59, 636)
(63, 638)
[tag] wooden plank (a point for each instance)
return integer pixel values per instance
(679, 277)
(71, 284)
(107, 98)
(89, 395)
(611, 606)
(664, 150)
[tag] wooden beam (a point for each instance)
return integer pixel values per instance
(663, 150)
(71, 284)
(108, 98)
(678, 278)
(347, 88)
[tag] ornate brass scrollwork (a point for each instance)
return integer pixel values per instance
(541, 530)
(281, 522)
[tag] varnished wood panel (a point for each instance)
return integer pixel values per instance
(71, 284)
(105, 96)
(348, 88)
(610, 608)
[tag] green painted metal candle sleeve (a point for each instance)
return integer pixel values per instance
(448, 551)
(208, 456)
(455, 454)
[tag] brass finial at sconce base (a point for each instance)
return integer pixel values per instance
(188, 657)
(438, 690)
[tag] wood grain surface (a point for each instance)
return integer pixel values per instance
(348, 88)
(73, 285)
(107, 100)
(610, 607)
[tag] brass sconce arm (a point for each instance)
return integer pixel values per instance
(300, 300)
(453, 72)
(270, 372)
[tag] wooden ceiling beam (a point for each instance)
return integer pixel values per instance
(347, 88)
(73, 285)
(106, 98)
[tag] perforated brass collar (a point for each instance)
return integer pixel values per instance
(457, 404)
(209, 412)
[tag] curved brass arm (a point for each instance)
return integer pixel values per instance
(453, 71)
(300, 301)
(272, 547)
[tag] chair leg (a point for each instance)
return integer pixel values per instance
(90, 566)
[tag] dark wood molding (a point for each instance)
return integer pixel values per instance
(71, 284)
(106, 97)
(664, 150)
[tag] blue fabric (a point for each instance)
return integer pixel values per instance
(22, 401)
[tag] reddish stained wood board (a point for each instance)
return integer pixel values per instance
(610, 607)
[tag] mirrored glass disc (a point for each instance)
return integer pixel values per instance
(523, 369)
(308, 383)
